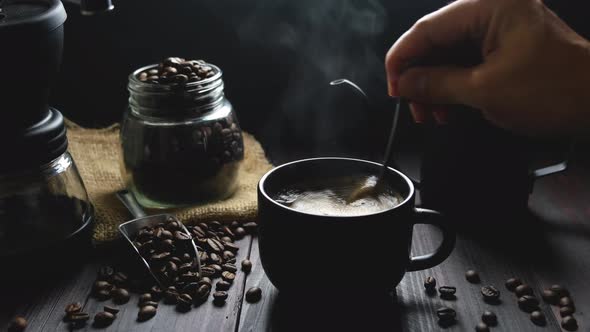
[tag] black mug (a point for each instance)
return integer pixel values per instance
(303, 250)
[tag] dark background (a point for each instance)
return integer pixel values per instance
(277, 56)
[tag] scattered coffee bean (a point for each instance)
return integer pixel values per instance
(105, 273)
(250, 227)
(447, 292)
(430, 284)
(120, 279)
(219, 297)
(472, 276)
(111, 310)
(73, 308)
(490, 294)
(145, 298)
(566, 311)
(246, 265)
(185, 302)
(566, 302)
(17, 324)
(146, 313)
(202, 292)
(523, 290)
(156, 292)
(482, 327)
(569, 323)
(228, 276)
(446, 316)
(240, 232)
(528, 303)
(538, 318)
(120, 295)
(550, 296)
(152, 303)
(222, 285)
(103, 319)
(489, 318)
(253, 294)
(560, 290)
(78, 318)
(230, 267)
(102, 295)
(512, 283)
(171, 295)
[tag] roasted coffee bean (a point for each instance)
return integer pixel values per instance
(102, 285)
(152, 303)
(185, 302)
(447, 292)
(528, 303)
(538, 318)
(566, 311)
(170, 296)
(105, 273)
(182, 236)
(215, 245)
(246, 265)
(250, 227)
(78, 318)
(253, 295)
(228, 276)
(482, 327)
(214, 258)
(490, 294)
(205, 280)
(190, 288)
(219, 297)
(512, 283)
(17, 324)
(190, 276)
(160, 257)
(430, 284)
(165, 235)
(202, 292)
(111, 310)
(222, 285)
(560, 290)
(231, 247)
(569, 323)
(120, 279)
(146, 313)
(472, 276)
(145, 298)
(173, 225)
(230, 267)
(73, 308)
(226, 239)
(156, 292)
(489, 318)
(215, 224)
(227, 231)
(207, 271)
(523, 290)
(185, 267)
(103, 319)
(228, 255)
(239, 232)
(446, 316)
(566, 302)
(102, 295)
(550, 296)
(120, 295)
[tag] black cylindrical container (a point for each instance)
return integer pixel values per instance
(31, 34)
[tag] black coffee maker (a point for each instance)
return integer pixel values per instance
(44, 206)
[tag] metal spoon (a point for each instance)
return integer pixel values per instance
(370, 188)
(130, 228)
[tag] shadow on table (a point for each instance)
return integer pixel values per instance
(317, 311)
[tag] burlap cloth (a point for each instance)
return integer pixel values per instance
(97, 154)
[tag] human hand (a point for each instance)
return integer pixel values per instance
(534, 77)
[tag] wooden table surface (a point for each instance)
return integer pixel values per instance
(555, 248)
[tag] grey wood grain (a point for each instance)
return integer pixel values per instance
(43, 304)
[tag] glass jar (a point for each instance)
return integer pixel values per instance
(43, 207)
(182, 144)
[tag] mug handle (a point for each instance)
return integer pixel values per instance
(431, 217)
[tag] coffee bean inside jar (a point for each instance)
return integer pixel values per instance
(182, 143)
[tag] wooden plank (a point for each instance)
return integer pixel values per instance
(42, 304)
(206, 317)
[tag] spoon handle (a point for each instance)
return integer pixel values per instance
(388, 149)
(128, 199)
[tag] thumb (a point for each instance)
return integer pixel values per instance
(440, 85)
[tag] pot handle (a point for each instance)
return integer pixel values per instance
(431, 217)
